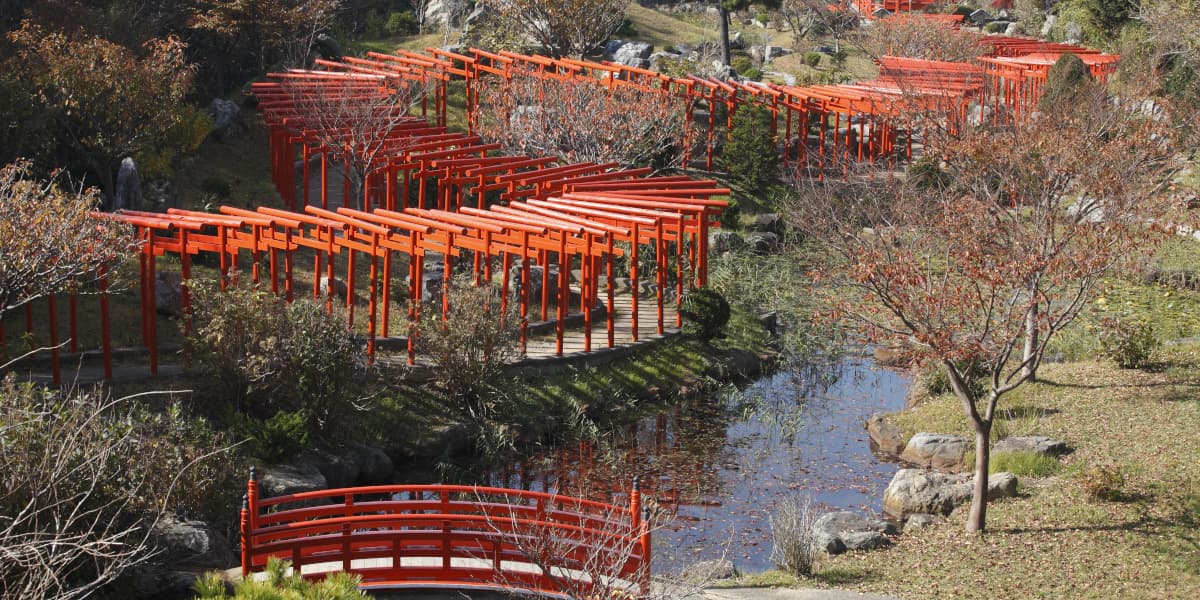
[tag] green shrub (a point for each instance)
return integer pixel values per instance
(934, 378)
(741, 65)
(1102, 482)
(705, 313)
(401, 23)
(925, 173)
(469, 348)
(1024, 464)
(812, 59)
(751, 156)
(1068, 80)
(278, 438)
(281, 585)
(995, 27)
(266, 355)
(1129, 342)
(216, 186)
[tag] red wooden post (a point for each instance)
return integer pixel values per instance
(55, 354)
(105, 334)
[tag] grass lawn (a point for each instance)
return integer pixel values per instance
(1054, 541)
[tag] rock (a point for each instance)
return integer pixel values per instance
(770, 222)
(1073, 33)
(156, 580)
(535, 283)
(339, 287)
(762, 242)
(631, 54)
(914, 491)
(938, 451)
(1031, 443)
(192, 544)
(721, 70)
(1001, 485)
(771, 53)
(227, 119)
(168, 293)
(922, 521)
(710, 570)
(339, 470)
(481, 12)
(376, 467)
(281, 480)
(1014, 28)
(840, 531)
(1048, 25)
(737, 41)
(440, 12)
(725, 241)
(885, 435)
(128, 193)
(865, 540)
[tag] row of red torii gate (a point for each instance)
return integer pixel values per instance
(536, 216)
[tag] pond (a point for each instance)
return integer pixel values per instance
(720, 463)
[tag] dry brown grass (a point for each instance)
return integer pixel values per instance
(1053, 541)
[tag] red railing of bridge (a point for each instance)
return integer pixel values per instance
(452, 536)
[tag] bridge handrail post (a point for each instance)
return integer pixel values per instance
(249, 521)
(346, 533)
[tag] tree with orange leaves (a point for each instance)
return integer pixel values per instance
(985, 263)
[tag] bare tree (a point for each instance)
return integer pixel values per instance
(50, 241)
(807, 18)
(581, 120)
(78, 506)
(564, 28)
(914, 37)
(1015, 232)
(354, 117)
(587, 554)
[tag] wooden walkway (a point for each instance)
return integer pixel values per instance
(574, 342)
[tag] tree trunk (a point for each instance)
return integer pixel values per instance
(977, 519)
(1031, 343)
(724, 18)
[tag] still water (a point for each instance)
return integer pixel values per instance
(719, 464)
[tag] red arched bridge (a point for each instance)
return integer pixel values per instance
(453, 536)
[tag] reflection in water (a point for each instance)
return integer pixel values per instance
(722, 463)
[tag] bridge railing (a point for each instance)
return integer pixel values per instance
(452, 536)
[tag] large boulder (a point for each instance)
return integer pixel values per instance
(128, 194)
(721, 242)
(376, 465)
(938, 451)
(886, 437)
(915, 491)
(762, 242)
(227, 119)
(770, 222)
(281, 480)
(630, 54)
(1039, 444)
(168, 293)
(192, 544)
(838, 532)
